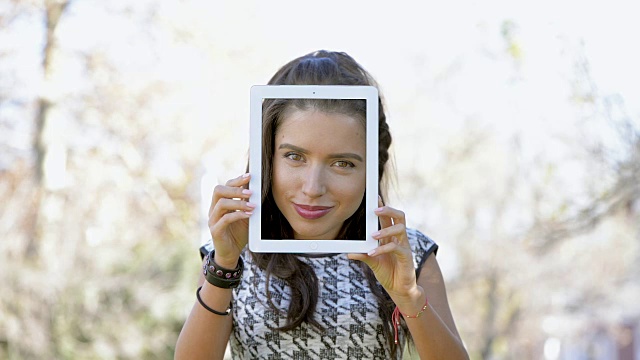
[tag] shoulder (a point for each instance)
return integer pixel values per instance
(421, 245)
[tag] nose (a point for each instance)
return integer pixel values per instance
(313, 182)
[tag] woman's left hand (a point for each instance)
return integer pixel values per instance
(392, 261)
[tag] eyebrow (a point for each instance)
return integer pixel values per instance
(304, 151)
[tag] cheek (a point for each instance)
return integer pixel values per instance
(352, 191)
(277, 178)
(282, 177)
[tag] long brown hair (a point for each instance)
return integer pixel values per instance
(317, 68)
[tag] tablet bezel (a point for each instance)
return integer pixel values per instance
(260, 92)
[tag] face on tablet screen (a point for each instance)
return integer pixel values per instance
(314, 166)
(316, 190)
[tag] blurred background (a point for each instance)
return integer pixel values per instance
(516, 145)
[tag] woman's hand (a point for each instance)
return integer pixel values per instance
(392, 261)
(229, 220)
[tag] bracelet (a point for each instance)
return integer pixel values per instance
(397, 314)
(221, 277)
(227, 312)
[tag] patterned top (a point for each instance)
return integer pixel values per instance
(346, 309)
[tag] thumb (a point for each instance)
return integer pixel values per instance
(361, 257)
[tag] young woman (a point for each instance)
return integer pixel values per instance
(277, 306)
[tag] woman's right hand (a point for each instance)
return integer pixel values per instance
(229, 220)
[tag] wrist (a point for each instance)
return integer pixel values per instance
(412, 302)
(226, 262)
(406, 308)
(221, 276)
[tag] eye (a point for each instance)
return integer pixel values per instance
(344, 164)
(293, 156)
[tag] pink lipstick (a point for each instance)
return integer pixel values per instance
(312, 212)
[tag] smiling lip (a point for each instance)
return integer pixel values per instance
(312, 212)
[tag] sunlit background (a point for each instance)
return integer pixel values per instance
(516, 146)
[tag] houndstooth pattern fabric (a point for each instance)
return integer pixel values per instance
(346, 309)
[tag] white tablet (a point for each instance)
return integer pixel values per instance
(303, 204)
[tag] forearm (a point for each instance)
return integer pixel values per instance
(432, 338)
(205, 335)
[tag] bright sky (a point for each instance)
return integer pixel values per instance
(441, 65)
(407, 45)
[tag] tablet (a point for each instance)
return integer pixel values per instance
(266, 94)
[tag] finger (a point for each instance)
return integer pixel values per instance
(364, 258)
(225, 206)
(217, 229)
(389, 248)
(397, 231)
(230, 191)
(221, 196)
(357, 256)
(240, 180)
(385, 221)
(223, 191)
(234, 188)
(395, 214)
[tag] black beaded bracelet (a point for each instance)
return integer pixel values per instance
(227, 312)
(221, 277)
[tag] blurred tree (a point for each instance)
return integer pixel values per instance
(44, 147)
(95, 265)
(546, 243)
(612, 150)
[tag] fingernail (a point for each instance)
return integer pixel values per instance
(246, 175)
(378, 209)
(247, 191)
(372, 252)
(376, 234)
(251, 205)
(249, 212)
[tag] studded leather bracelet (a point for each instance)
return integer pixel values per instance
(221, 277)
